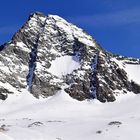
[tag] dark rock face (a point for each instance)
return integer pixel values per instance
(3, 94)
(135, 87)
(27, 59)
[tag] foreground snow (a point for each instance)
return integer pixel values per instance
(62, 118)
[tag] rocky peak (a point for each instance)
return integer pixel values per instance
(39, 14)
(49, 54)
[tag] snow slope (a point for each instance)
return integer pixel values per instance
(133, 71)
(62, 118)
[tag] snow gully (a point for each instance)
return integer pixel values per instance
(93, 89)
(33, 57)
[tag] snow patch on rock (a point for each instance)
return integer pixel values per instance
(64, 65)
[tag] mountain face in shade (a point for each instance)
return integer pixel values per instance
(48, 55)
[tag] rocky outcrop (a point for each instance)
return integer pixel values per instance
(27, 61)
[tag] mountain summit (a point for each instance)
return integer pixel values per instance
(48, 55)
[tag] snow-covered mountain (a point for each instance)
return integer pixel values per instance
(48, 55)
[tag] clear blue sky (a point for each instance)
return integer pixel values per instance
(114, 23)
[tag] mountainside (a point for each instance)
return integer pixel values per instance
(48, 55)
